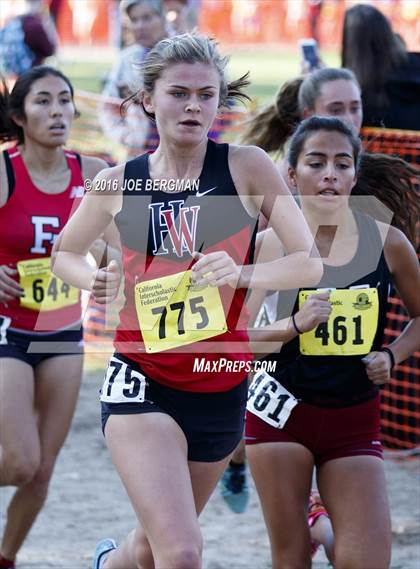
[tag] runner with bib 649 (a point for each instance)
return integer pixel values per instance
(41, 336)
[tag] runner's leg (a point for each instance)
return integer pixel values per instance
(283, 475)
(353, 490)
(20, 448)
(57, 382)
(166, 496)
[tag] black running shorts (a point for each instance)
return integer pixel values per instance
(33, 348)
(213, 423)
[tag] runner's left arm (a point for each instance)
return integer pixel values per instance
(262, 188)
(403, 264)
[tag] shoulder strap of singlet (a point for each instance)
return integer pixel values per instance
(216, 169)
(10, 175)
(136, 169)
(78, 158)
(368, 231)
(74, 162)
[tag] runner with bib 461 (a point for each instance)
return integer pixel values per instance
(320, 408)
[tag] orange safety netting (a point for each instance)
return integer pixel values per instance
(400, 404)
(402, 143)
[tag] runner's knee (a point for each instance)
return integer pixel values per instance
(346, 559)
(20, 467)
(142, 551)
(291, 555)
(44, 473)
(186, 556)
(182, 554)
(355, 557)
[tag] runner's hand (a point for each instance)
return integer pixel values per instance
(215, 269)
(378, 367)
(9, 287)
(106, 283)
(315, 310)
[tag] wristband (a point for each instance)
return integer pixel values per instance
(391, 356)
(295, 326)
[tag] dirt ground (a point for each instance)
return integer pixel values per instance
(87, 502)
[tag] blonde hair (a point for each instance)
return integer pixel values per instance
(190, 48)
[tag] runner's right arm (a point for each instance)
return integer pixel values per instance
(267, 339)
(88, 223)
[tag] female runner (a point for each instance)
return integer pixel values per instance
(174, 394)
(41, 183)
(320, 408)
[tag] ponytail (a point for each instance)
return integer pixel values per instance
(272, 127)
(396, 184)
(9, 130)
(235, 90)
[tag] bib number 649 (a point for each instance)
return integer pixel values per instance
(269, 400)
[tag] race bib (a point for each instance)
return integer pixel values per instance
(5, 322)
(43, 290)
(172, 312)
(269, 400)
(122, 384)
(351, 327)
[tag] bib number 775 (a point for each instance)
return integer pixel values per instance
(195, 308)
(122, 384)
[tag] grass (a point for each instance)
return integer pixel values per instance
(87, 76)
(269, 69)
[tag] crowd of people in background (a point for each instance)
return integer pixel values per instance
(285, 252)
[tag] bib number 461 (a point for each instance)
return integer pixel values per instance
(339, 331)
(269, 400)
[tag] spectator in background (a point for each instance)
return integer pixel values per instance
(186, 14)
(388, 75)
(27, 40)
(314, 13)
(55, 8)
(147, 22)
(177, 16)
(40, 33)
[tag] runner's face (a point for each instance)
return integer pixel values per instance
(185, 101)
(147, 25)
(341, 99)
(49, 111)
(325, 169)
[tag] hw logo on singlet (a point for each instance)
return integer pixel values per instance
(175, 225)
(41, 225)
